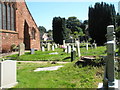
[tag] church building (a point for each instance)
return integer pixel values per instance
(17, 26)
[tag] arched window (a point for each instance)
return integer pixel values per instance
(4, 16)
(12, 18)
(0, 15)
(8, 17)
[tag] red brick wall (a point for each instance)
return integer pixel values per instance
(17, 37)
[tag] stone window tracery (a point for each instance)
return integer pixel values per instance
(7, 16)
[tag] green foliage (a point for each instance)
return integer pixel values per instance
(100, 16)
(74, 25)
(59, 31)
(42, 31)
(117, 32)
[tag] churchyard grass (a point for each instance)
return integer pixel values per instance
(61, 56)
(69, 76)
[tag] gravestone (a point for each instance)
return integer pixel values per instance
(64, 43)
(78, 48)
(73, 55)
(8, 74)
(32, 50)
(48, 46)
(53, 48)
(109, 75)
(21, 49)
(68, 49)
(43, 48)
(86, 46)
(56, 46)
(95, 45)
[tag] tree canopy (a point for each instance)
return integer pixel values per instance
(100, 16)
(59, 30)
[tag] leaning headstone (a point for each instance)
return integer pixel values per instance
(21, 49)
(32, 50)
(43, 48)
(109, 75)
(78, 48)
(53, 48)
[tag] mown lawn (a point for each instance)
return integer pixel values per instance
(61, 56)
(69, 76)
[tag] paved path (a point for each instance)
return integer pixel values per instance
(60, 62)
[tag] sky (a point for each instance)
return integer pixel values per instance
(43, 12)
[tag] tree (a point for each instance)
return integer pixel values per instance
(42, 30)
(100, 16)
(74, 26)
(59, 30)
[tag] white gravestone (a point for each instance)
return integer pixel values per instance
(21, 49)
(8, 74)
(68, 49)
(43, 48)
(78, 48)
(86, 46)
(64, 43)
(56, 46)
(53, 48)
(48, 46)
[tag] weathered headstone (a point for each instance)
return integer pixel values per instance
(73, 55)
(21, 49)
(64, 43)
(48, 46)
(78, 48)
(32, 50)
(68, 49)
(86, 46)
(43, 48)
(56, 46)
(53, 48)
(109, 76)
(95, 45)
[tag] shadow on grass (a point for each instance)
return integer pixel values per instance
(66, 58)
(93, 63)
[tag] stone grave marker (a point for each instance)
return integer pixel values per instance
(21, 49)
(64, 43)
(109, 74)
(32, 50)
(68, 49)
(43, 48)
(53, 48)
(56, 46)
(48, 46)
(86, 46)
(73, 55)
(78, 48)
